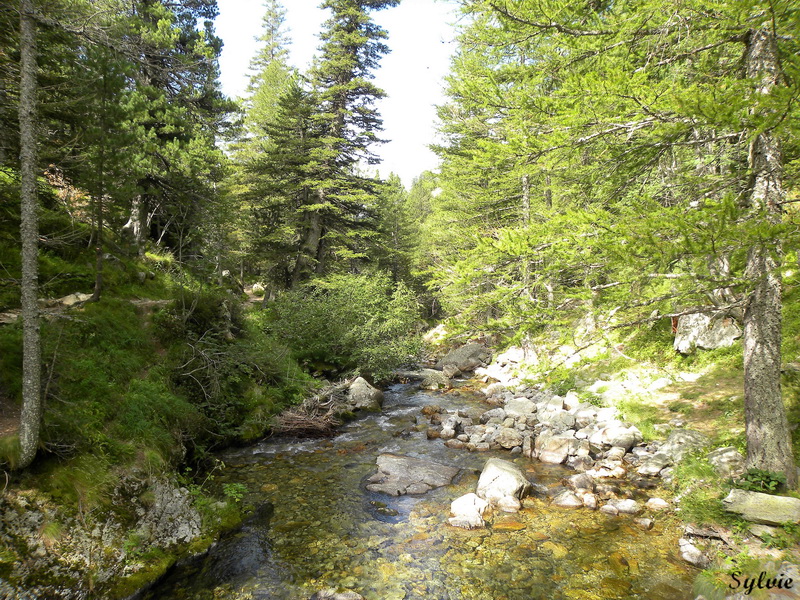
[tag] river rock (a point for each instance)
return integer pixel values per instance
(682, 442)
(727, 462)
(692, 554)
(398, 475)
(508, 438)
(617, 434)
(704, 331)
(467, 358)
(554, 449)
(501, 479)
(762, 508)
(580, 481)
(332, 594)
(657, 504)
(558, 421)
(451, 371)
(435, 380)
(585, 416)
(468, 511)
(609, 509)
(628, 506)
(653, 465)
(362, 396)
(589, 500)
(496, 415)
(567, 499)
(520, 407)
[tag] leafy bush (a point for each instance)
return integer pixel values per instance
(237, 382)
(758, 480)
(361, 322)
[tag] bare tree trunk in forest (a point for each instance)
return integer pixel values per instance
(769, 444)
(308, 251)
(30, 421)
(548, 192)
(98, 268)
(526, 200)
(137, 221)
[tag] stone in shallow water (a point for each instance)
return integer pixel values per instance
(332, 594)
(657, 504)
(629, 507)
(509, 526)
(500, 479)
(468, 511)
(567, 499)
(398, 475)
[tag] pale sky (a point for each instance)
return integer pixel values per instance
(421, 37)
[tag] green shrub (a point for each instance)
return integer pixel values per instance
(354, 322)
(758, 480)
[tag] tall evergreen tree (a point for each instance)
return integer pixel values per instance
(651, 120)
(341, 207)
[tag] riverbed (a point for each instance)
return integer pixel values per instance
(316, 526)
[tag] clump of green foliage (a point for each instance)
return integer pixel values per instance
(361, 322)
(701, 491)
(758, 480)
(223, 363)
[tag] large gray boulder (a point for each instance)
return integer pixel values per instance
(554, 448)
(362, 396)
(704, 331)
(618, 435)
(682, 442)
(502, 483)
(398, 475)
(727, 462)
(762, 508)
(467, 358)
(520, 407)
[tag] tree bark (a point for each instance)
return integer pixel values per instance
(769, 444)
(30, 421)
(307, 256)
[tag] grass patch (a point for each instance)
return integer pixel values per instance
(701, 490)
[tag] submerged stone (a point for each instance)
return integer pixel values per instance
(398, 475)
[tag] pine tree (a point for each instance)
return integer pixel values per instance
(640, 124)
(341, 212)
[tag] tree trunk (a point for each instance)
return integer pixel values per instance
(769, 444)
(137, 221)
(308, 251)
(98, 266)
(526, 200)
(30, 421)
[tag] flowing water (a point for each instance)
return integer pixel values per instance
(317, 527)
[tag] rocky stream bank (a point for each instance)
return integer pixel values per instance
(547, 494)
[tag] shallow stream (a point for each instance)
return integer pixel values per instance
(317, 527)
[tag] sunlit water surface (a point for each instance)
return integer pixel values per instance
(317, 527)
